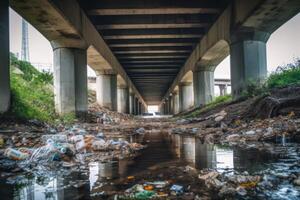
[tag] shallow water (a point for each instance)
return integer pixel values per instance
(88, 182)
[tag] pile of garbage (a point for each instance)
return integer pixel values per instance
(231, 184)
(71, 146)
(152, 190)
(105, 116)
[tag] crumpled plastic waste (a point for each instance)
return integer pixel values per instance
(178, 189)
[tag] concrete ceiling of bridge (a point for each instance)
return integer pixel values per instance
(152, 38)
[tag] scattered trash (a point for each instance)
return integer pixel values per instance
(178, 189)
(15, 154)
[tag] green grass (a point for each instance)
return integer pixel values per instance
(217, 101)
(285, 76)
(32, 94)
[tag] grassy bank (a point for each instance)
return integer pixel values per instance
(284, 76)
(32, 94)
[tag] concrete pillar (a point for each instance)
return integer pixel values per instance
(70, 80)
(107, 90)
(171, 105)
(223, 90)
(248, 60)
(167, 106)
(123, 99)
(176, 102)
(131, 103)
(4, 57)
(139, 108)
(186, 97)
(136, 106)
(203, 82)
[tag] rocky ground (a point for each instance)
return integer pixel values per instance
(254, 123)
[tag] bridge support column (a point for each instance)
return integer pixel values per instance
(123, 99)
(176, 102)
(248, 60)
(203, 81)
(171, 103)
(107, 90)
(223, 90)
(4, 57)
(70, 80)
(167, 107)
(186, 96)
(131, 103)
(139, 108)
(136, 106)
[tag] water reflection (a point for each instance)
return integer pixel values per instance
(83, 182)
(200, 156)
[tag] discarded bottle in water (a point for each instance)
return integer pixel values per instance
(57, 138)
(15, 154)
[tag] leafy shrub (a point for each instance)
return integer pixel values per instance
(285, 75)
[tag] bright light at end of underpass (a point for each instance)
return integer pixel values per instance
(152, 108)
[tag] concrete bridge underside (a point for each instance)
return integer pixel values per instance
(148, 52)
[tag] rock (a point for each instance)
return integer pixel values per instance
(233, 137)
(219, 118)
(212, 174)
(183, 121)
(241, 191)
(250, 132)
(297, 181)
(227, 191)
(140, 131)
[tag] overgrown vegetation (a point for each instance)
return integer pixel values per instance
(217, 101)
(284, 76)
(32, 94)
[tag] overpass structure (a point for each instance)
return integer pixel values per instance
(147, 52)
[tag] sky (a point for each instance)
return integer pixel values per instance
(282, 47)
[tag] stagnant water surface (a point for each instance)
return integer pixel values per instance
(88, 182)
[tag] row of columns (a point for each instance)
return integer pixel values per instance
(116, 97)
(248, 64)
(70, 78)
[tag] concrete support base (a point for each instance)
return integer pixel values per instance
(203, 82)
(186, 96)
(4, 57)
(107, 91)
(70, 80)
(248, 61)
(123, 99)
(139, 108)
(136, 106)
(223, 90)
(176, 102)
(171, 105)
(131, 103)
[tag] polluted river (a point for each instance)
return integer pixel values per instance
(169, 166)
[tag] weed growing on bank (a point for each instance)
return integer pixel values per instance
(284, 76)
(32, 94)
(217, 101)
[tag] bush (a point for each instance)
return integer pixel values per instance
(32, 94)
(285, 76)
